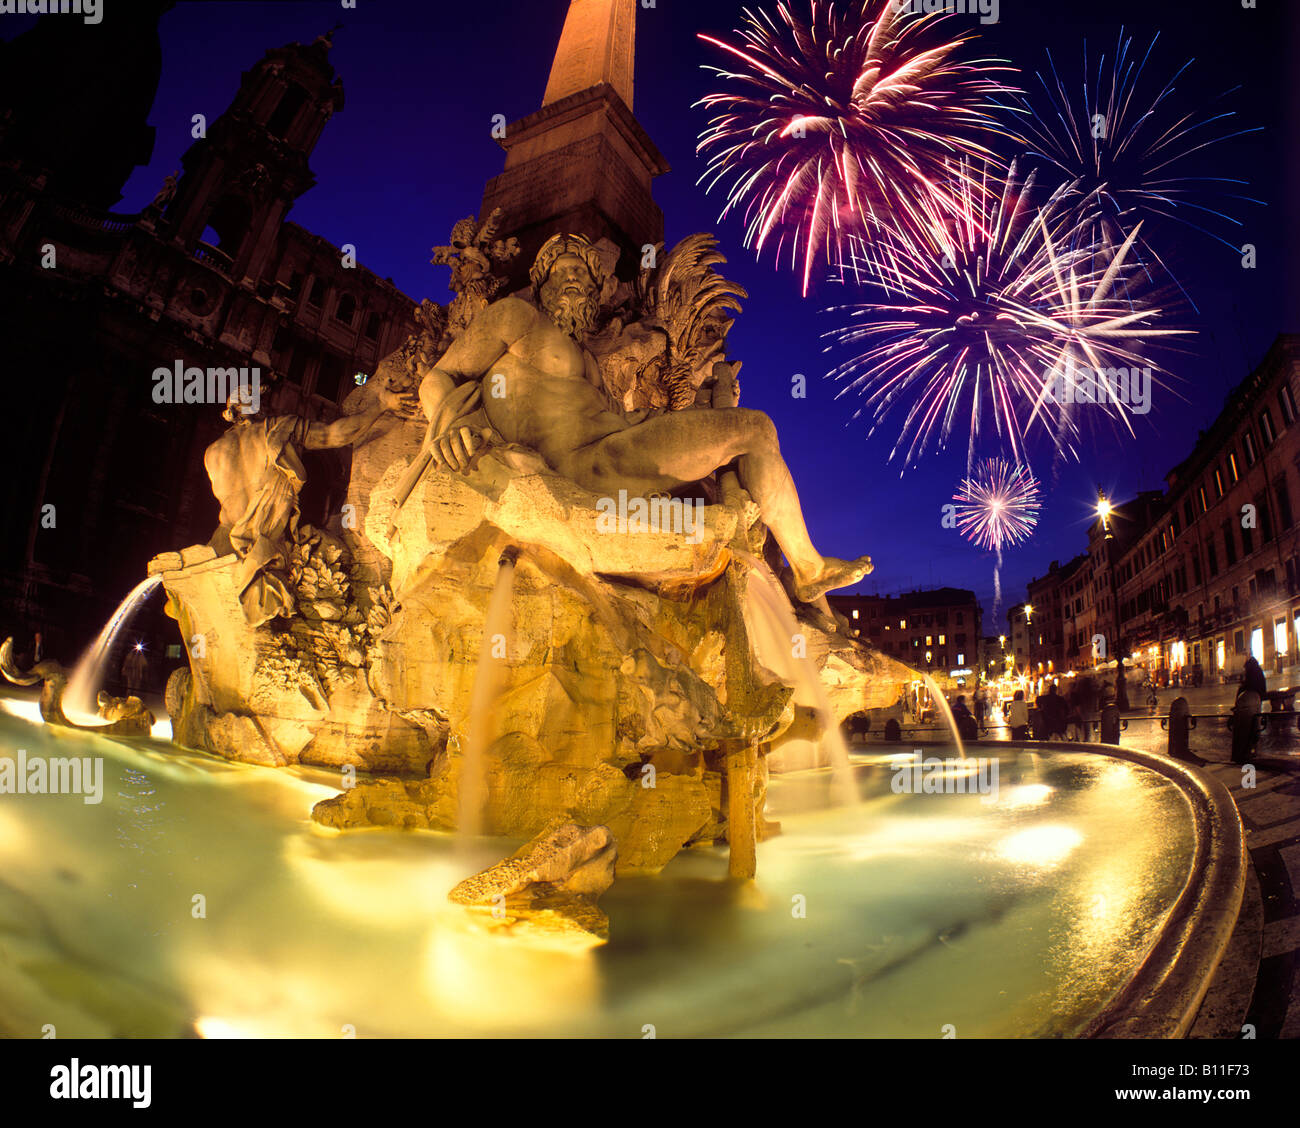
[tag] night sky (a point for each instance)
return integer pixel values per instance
(411, 151)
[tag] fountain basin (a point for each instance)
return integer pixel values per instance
(1093, 895)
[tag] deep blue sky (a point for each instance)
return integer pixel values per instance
(411, 151)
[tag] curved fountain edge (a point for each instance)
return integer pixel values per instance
(1162, 997)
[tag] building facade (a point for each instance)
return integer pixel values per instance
(1189, 582)
(935, 631)
(102, 476)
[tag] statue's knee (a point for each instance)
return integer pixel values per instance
(761, 431)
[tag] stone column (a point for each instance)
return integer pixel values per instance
(740, 759)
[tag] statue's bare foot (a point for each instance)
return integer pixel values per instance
(835, 573)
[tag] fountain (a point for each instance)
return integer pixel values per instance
(941, 703)
(634, 741)
(88, 676)
(487, 682)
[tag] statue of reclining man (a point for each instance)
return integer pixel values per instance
(526, 365)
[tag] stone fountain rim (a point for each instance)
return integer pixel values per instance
(1162, 997)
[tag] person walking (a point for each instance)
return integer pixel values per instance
(1053, 709)
(980, 705)
(1018, 717)
(967, 727)
(1253, 679)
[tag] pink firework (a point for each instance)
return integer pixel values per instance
(846, 123)
(999, 505)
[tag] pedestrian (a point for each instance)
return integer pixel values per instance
(967, 728)
(1252, 678)
(1018, 717)
(1054, 710)
(135, 668)
(979, 708)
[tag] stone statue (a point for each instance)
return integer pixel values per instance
(474, 248)
(526, 364)
(167, 192)
(257, 474)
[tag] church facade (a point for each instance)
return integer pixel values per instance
(98, 475)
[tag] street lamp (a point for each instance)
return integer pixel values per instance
(1104, 511)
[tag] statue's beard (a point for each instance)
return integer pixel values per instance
(574, 315)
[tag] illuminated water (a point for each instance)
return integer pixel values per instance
(489, 675)
(79, 699)
(775, 630)
(897, 916)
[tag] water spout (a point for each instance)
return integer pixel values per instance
(80, 698)
(488, 676)
(773, 607)
(941, 703)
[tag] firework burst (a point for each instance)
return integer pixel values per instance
(1117, 146)
(989, 312)
(997, 506)
(847, 122)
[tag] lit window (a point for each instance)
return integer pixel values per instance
(902, 624)
(1266, 427)
(941, 641)
(1218, 482)
(1248, 444)
(1205, 501)
(1232, 466)
(927, 640)
(855, 612)
(961, 660)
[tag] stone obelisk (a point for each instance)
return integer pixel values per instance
(582, 163)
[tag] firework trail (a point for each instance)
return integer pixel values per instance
(1118, 147)
(997, 506)
(847, 122)
(990, 311)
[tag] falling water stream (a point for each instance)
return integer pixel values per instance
(941, 703)
(488, 676)
(773, 607)
(83, 686)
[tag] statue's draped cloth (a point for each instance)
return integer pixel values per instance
(261, 511)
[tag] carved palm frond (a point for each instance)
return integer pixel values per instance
(691, 300)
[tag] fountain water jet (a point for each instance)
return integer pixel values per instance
(773, 606)
(941, 703)
(472, 796)
(83, 686)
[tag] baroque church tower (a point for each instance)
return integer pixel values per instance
(242, 178)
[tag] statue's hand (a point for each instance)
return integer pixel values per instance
(404, 404)
(726, 386)
(455, 447)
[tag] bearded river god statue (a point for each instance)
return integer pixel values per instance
(545, 392)
(584, 475)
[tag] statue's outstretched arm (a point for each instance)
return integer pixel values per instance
(351, 428)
